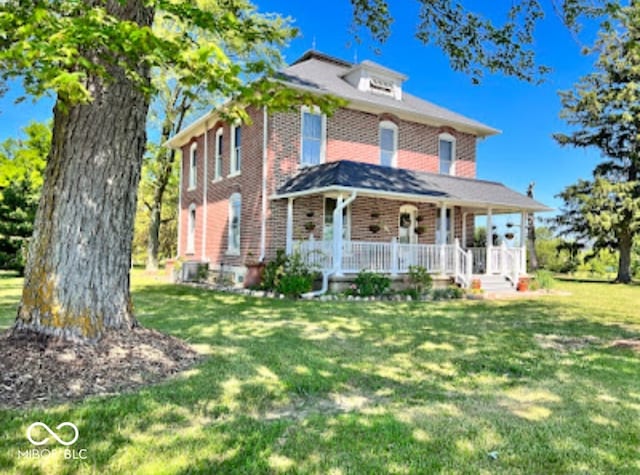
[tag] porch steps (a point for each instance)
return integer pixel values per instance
(495, 283)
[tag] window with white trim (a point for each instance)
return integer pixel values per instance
(236, 149)
(193, 166)
(447, 153)
(191, 229)
(235, 209)
(330, 205)
(313, 137)
(218, 158)
(388, 132)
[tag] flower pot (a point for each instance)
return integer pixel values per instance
(374, 228)
(420, 230)
(476, 284)
(254, 273)
(310, 226)
(523, 284)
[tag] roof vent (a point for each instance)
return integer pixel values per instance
(380, 86)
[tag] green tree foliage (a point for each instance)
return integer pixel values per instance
(22, 162)
(478, 42)
(605, 105)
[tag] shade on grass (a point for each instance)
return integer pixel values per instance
(366, 387)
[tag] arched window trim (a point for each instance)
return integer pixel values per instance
(219, 152)
(193, 166)
(446, 137)
(191, 229)
(233, 248)
(315, 110)
(389, 125)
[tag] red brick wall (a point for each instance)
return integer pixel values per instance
(350, 135)
(248, 183)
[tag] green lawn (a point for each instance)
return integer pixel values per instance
(367, 387)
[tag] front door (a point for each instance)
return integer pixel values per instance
(407, 225)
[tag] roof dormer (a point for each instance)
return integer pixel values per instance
(375, 79)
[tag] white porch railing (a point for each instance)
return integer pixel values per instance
(389, 257)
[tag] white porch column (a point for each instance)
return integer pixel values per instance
(394, 256)
(443, 238)
(489, 269)
(289, 238)
(337, 235)
(524, 230)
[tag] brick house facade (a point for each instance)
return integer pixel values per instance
(230, 217)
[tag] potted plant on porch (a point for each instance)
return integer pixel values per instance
(523, 284)
(255, 269)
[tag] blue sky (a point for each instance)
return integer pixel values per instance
(527, 114)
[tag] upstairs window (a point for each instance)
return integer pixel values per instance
(388, 144)
(313, 137)
(218, 159)
(193, 166)
(236, 149)
(235, 208)
(446, 153)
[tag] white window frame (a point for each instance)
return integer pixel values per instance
(217, 165)
(193, 166)
(451, 139)
(191, 229)
(346, 220)
(235, 156)
(388, 125)
(231, 249)
(323, 134)
(412, 211)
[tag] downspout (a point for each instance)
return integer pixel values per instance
(328, 273)
(265, 156)
(204, 191)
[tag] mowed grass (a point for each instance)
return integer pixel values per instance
(528, 386)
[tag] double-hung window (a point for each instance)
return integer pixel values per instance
(388, 144)
(313, 137)
(235, 208)
(191, 229)
(193, 166)
(447, 153)
(218, 158)
(236, 149)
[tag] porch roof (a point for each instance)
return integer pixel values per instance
(348, 176)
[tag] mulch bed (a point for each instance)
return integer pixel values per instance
(41, 371)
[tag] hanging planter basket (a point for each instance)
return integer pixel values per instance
(375, 214)
(310, 226)
(310, 214)
(374, 228)
(509, 236)
(420, 230)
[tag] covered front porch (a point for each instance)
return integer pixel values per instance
(346, 217)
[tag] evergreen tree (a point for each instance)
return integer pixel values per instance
(605, 105)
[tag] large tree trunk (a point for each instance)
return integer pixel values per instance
(624, 261)
(77, 275)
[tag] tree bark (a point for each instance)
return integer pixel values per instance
(625, 245)
(77, 274)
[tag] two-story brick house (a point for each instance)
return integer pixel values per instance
(395, 173)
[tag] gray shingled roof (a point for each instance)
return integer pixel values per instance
(324, 74)
(345, 175)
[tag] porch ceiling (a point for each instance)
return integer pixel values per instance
(395, 183)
